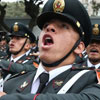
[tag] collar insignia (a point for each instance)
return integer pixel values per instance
(16, 28)
(58, 83)
(95, 30)
(59, 5)
(24, 85)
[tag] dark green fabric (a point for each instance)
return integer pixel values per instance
(86, 88)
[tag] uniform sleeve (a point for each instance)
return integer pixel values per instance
(15, 67)
(90, 93)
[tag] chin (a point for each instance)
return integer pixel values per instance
(46, 59)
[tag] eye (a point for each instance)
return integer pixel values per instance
(45, 25)
(18, 38)
(64, 26)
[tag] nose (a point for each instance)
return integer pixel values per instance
(94, 44)
(51, 28)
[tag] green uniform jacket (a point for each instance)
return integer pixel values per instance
(85, 88)
(25, 63)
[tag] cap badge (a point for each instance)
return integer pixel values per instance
(58, 5)
(15, 28)
(95, 30)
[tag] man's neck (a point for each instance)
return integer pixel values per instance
(21, 53)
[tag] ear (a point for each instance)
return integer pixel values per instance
(27, 46)
(80, 48)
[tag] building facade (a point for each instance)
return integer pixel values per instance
(88, 6)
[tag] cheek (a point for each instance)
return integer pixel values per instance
(40, 41)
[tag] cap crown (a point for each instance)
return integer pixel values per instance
(19, 29)
(68, 10)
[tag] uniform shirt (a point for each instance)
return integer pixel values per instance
(17, 58)
(90, 64)
(52, 74)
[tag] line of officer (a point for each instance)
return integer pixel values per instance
(66, 30)
(4, 39)
(20, 58)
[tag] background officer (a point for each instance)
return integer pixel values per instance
(4, 39)
(20, 58)
(65, 28)
(93, 49)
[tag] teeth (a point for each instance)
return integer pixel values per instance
(94, 50)
(47, 38)
(48, 41)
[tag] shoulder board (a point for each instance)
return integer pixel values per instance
(18, 74)
(35, 64)
(98, 75)
(82, 67)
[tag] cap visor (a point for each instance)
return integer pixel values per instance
(45, 17)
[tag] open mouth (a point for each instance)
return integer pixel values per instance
(94, 50)
(48, 40)
(11, 45)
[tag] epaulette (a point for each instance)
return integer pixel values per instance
(20, 61)
(18, 74)
(98, 75)
(35, 64)
(83, 67)
(28, 57)
(34, 54)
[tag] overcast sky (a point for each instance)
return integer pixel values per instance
(9, 0)
(14, 0)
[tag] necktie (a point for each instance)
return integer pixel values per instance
(92, 67)
(99, 67)
(44, 77)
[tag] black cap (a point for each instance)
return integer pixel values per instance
(4, 36)
(19, 29)
(95, 32)
(70, 11)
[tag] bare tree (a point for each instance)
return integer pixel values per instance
(95, 7)
(32, 9)
(3, 26)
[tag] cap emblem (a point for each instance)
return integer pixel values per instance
(95, 30)
(16, 28)
(59, 5)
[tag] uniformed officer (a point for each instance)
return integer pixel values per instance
(93, 49)
(20, 50)
(65, 28)
(4, 39)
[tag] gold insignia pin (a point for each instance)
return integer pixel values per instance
(24, 85)
(84, 66)
(59, 5)
(83, 33)
(78, 24)
(58, 83)
(25, 34)
(95, 30)
(22, 72)
(16, 28)
(3, 37)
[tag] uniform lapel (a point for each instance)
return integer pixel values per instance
(26, 84)
(55, 85)
(22, 59)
